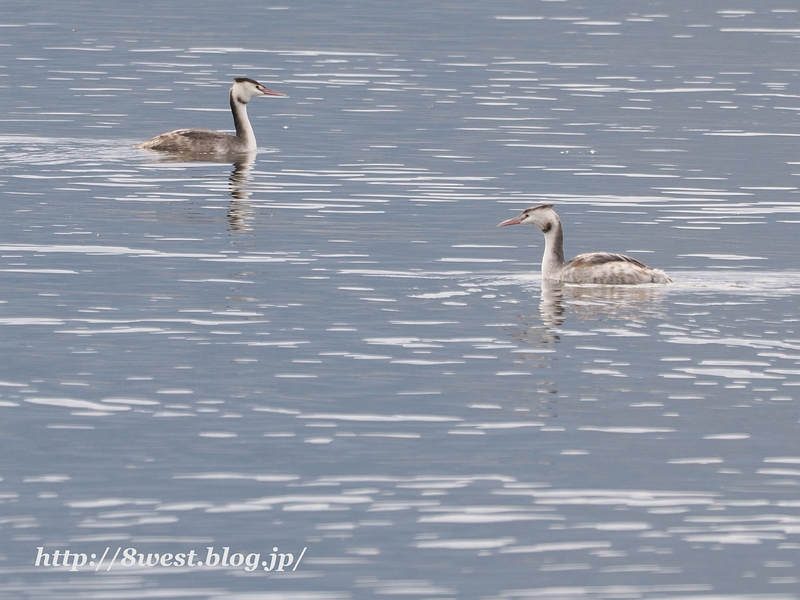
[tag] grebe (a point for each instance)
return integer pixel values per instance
(595, 267)
(206, 141)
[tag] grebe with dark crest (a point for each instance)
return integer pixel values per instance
(595, 267)
(206, 141)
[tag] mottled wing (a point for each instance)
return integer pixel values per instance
(601, 258)
(607, 268)
(187, 140)
(200, 134)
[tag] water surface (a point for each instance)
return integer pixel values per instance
(331, 347)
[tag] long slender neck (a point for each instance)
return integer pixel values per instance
(553, 258)
(244, 131)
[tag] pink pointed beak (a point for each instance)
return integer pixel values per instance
(515, 221)
(269, 92)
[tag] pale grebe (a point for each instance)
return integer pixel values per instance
(206, 141)
(595, 267)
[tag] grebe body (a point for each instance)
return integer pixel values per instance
(594, 267)
(206, 141)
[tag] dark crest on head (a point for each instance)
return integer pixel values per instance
(245, 80)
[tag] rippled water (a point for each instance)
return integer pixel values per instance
(330, 350)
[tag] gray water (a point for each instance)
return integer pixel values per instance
(333, 353)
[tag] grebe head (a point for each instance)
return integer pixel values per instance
(245, 88)
(543, 217)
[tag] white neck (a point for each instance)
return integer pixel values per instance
(244, 131)
(553, 258)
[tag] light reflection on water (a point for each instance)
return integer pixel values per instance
(329, 345)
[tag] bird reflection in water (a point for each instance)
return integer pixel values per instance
(589, 303)
(241, 212)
